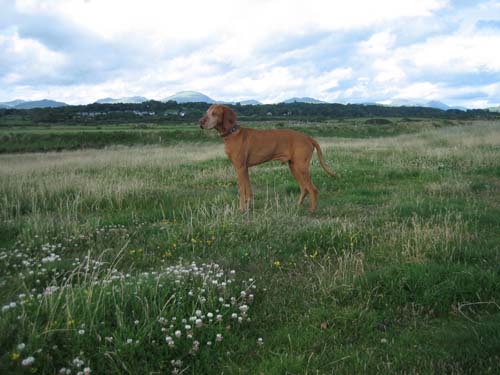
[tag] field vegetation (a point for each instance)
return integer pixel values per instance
(132, 257)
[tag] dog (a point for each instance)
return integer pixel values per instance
(246, 147)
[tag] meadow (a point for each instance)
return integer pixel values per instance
(133, 258)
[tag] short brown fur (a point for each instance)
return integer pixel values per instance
(247, 147)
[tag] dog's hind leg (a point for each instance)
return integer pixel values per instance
(305, 178)
(298, 177)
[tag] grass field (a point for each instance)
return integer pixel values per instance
(136, 259)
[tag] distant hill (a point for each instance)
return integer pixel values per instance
(11, 104)
(249, 102)
(305, 99)
(423, 103)
(45, 103)
(494, 109)
(127, 100)
(189, 97)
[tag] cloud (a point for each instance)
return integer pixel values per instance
(79, 51)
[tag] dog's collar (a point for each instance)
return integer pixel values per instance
(230, 131)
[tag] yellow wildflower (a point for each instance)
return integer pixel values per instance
(15, 356)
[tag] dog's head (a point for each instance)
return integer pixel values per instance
(220, 117)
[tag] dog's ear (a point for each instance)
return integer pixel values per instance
(228, 118)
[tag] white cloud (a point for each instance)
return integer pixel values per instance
(378, 44)
(455, 53)
(27, 59)
(81, 50)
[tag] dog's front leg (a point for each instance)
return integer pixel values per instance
(245, 188)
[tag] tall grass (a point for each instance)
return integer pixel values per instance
(396, 272)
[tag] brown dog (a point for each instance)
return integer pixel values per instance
(248, 147)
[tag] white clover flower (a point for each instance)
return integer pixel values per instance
(170, 341)
(28, 361)
(196, 345)
(234, 316)
(130, 341)
(81, 331)
(178, 333)
(199, 322)
(86, 371)
(219, 317)
(243, 309)
(219, 337)
(260, 341)
(77, 362)
(210, 315)
(187, 327)
(136, 322)
(209, 343)
(243, 294)
(21, 346)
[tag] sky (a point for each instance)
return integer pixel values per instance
(355, 51)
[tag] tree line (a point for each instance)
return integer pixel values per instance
(173, 112)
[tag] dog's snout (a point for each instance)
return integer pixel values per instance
(203, 120)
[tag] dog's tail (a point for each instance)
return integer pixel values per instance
(320, 157)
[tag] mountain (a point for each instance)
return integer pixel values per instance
(423, 103)
(11, 104)
(131, 99)
(189, 97)
(437, 104)
(303, 100)
(45, 103)
(494, 109)
(249, 102)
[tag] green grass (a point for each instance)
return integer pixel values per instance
(31, 138)
(396, 272)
